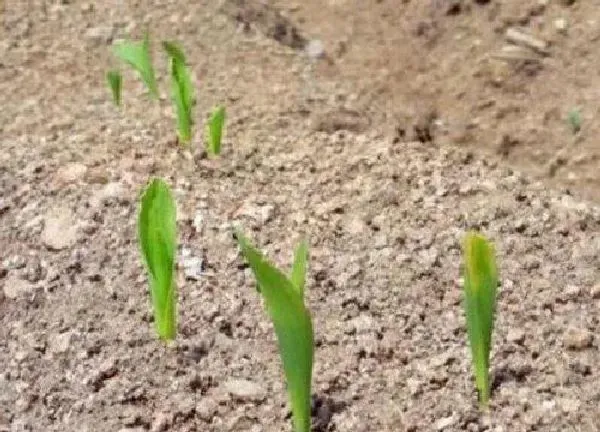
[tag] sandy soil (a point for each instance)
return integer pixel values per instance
(412, 125)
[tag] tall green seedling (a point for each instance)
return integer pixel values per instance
(182, 90)
(157, 234)
(284, 302)
(480, 283)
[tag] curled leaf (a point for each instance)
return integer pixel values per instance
(137, 55)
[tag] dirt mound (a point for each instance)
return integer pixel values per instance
(497, 76)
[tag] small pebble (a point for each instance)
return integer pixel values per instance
(414, 386)
(571, 293)
(4, 206)
(15, 287)
(261, 213)
(569, 405)
(161, 423)
(206, 408)
(98, 35)
(516, 336)
(315, 49)
(560, 25)
(70, 173)
(446, 422)
(578, 339)
(245, 390)
(192, 267)
(60, 343)
(60, 230)
(106, 370)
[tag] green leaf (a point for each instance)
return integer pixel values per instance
(215, 130)
(137, 55)
(182, 91)
(298, 274)
(480, 284)
(157, 234)
(293, 327)
(115, 80)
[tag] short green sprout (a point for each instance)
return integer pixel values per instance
(115, 81)
(480, 283)
(284, 302)
(214, 130)
(157, 234)
(574, 119)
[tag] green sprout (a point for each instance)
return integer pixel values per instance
(574, 119)
(115, 81)
(137, 55)
(480, 282)
(214, 130)
(182, 91)
(157, 232)
(284, 301)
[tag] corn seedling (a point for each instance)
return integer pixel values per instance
(480, 282)
(214, 130)
(157, 233)
(574, 119)
(284, 301)
(182, 91)
(115, 80)
(137, 55)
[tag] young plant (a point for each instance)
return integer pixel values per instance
(480, 282)
(182, 91)
(137, 55)
(214, 130)
(115, 80)
(157, 234)
(284, 301)
(574, 119)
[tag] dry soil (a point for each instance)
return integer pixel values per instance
(380, 131)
